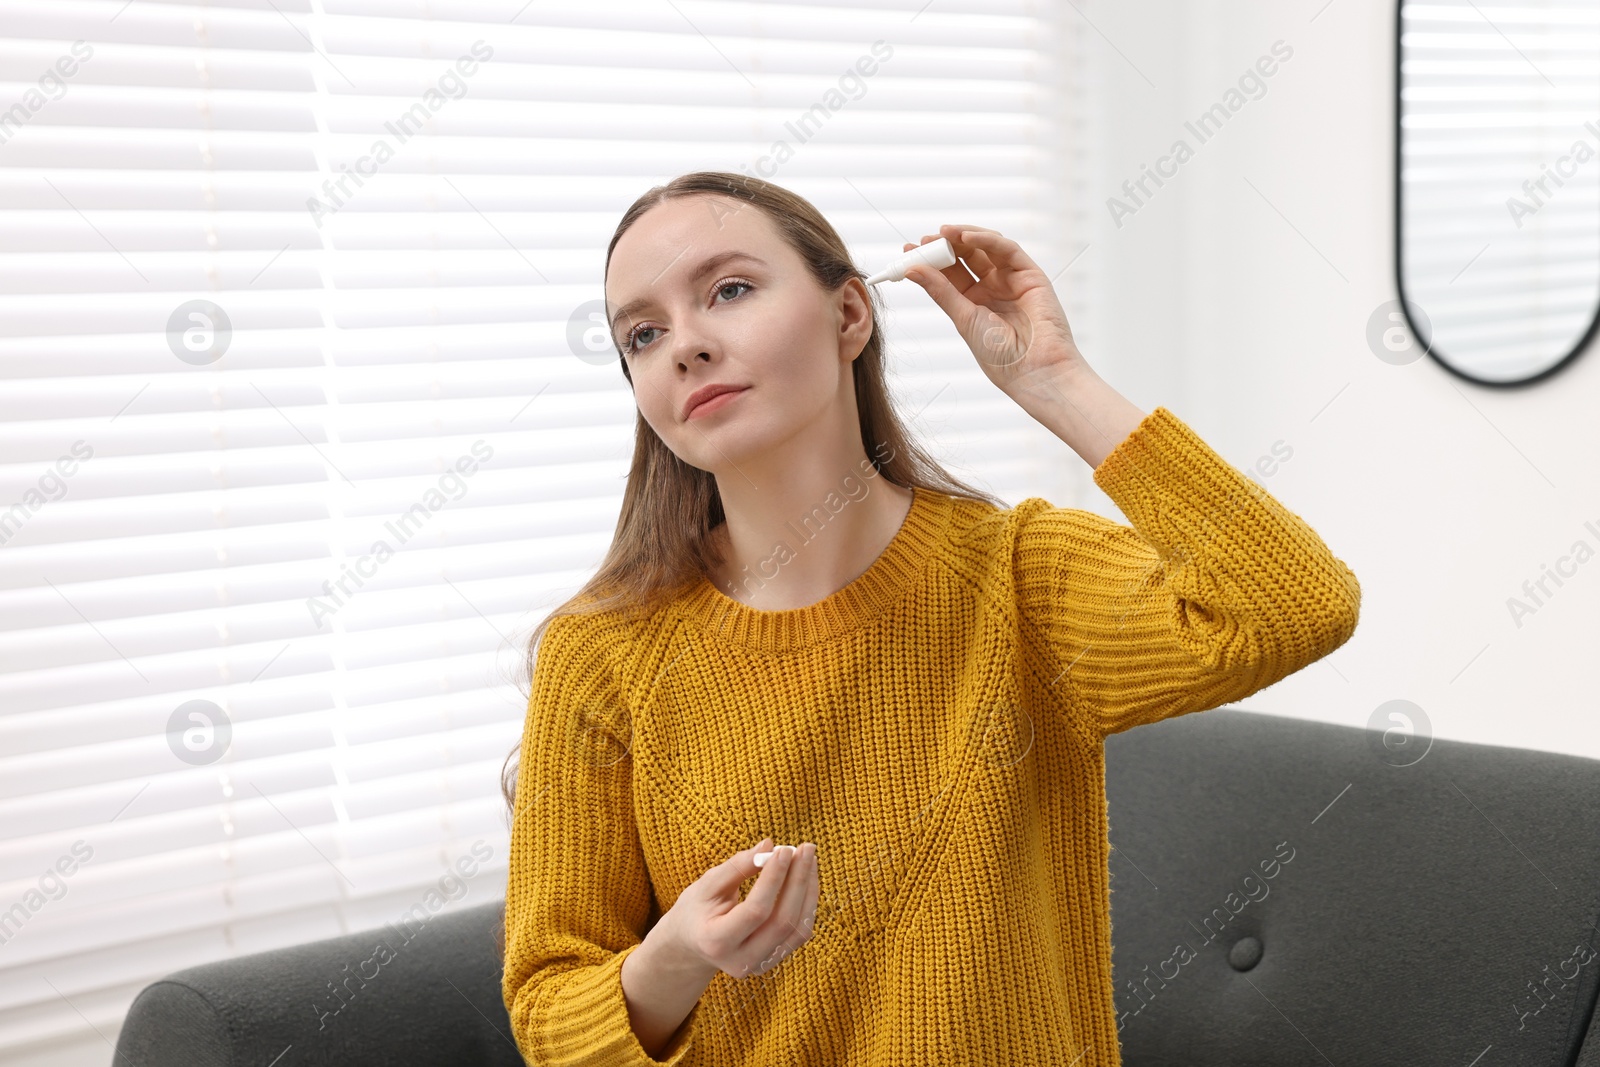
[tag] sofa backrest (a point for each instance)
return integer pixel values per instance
(1291, 892)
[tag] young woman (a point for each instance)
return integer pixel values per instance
(806, 633)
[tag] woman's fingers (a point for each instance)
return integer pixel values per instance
(958, 275)
(776, 935)
(740, 918)
(1001, 250)
(769, 883)
(978, 261)
(726, 877)
(802, 883)
(971, 254)
(808, 909)
(787, 927)
(948, 296)
(741, 937)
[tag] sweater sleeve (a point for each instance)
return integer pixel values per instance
(1215, 592)
(578, 895)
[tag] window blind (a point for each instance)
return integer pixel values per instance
(297, 445)
(1499, 184)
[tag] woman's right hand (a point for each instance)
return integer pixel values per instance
(708, 923)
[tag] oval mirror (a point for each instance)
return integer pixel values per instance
(1497, 193)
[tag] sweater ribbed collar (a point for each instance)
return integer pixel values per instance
(890, 577)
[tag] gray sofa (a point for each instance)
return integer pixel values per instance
(1283, 893)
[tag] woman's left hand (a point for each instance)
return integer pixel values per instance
(1009, 315)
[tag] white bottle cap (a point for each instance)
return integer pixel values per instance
(761, 858)
(937, 254)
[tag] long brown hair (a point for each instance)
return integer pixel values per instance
(661, 544)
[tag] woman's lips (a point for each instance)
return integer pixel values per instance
(721, 400)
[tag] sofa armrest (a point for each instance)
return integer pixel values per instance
(376, 997)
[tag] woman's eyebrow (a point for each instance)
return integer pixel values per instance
(707, 265)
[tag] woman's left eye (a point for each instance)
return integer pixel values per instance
(734, 284)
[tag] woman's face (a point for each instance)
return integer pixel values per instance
(754, 318)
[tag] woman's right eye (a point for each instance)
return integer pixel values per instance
(633, 335)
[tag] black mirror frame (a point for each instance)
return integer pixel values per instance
(1399, 254)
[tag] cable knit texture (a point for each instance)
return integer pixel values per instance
(937, 727)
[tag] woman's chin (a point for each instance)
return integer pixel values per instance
(725, 448)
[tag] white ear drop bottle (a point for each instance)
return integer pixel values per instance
(936, 254)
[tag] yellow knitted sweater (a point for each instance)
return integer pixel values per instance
(937, 728)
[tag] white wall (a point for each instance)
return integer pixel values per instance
(1441, 495)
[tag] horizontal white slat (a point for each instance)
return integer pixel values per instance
(465, 622)
(254, 27)
(380, 780)
(128, 937)
(1472, 15)
(136, 68)
(60, 638)
(185, 906)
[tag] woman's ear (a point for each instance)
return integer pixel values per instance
(855, 318)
